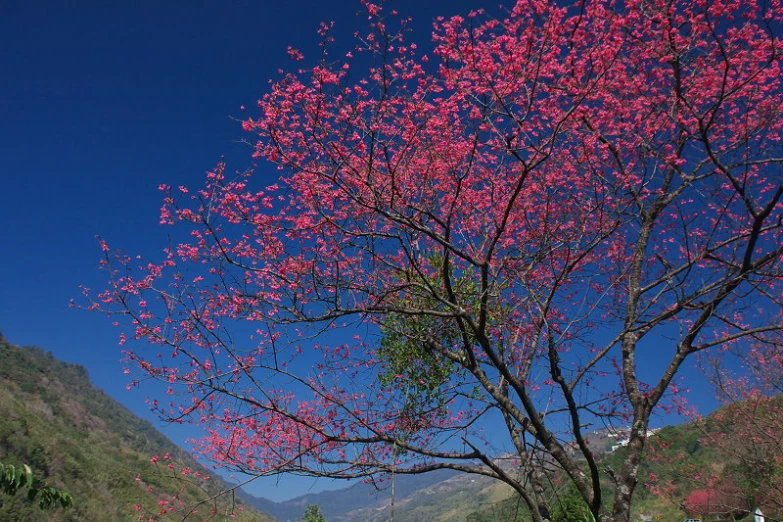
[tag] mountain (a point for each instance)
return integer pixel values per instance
(78, 439)
(435, 496)
(441, 496)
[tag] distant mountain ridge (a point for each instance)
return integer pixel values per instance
(79, 439)
(442, 495)
(356, 502)
(450, 496)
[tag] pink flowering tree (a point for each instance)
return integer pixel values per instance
(478, 250)
(723, 501)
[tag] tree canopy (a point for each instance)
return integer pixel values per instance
(477, 247)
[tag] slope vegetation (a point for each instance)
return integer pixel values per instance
(78, 439)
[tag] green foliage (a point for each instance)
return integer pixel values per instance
(569, 506)
(13, 478)
(313, 514)
(409, 355)
(413, 344)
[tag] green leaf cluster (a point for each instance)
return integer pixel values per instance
(413, 343)
(13, 478)
(408, 355)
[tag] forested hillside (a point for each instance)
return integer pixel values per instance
(77, 438)
(718, 468)
(721, 467)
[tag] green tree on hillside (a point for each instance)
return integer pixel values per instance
(313, 514)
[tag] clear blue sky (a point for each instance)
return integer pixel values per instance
(101, 102)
